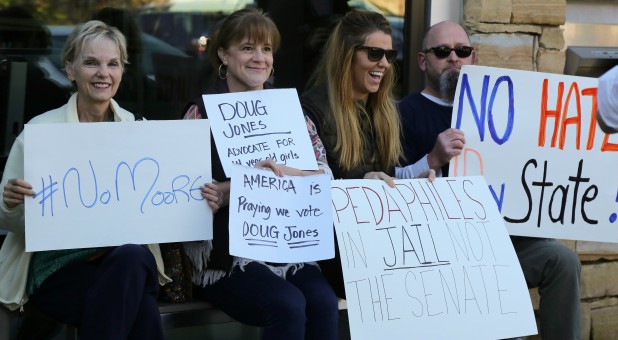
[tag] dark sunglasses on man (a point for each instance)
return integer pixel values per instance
(376, 54)
(442, 52)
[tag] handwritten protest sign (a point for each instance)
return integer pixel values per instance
(428, 261)
(280, 219)
(256, 125)
(106, 184)
(535, 138)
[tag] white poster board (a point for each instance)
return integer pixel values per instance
(107, 184)
(535, 138)
(257, 125)
(280, 219)
(428, 261)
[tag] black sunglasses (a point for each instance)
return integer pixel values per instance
(376, 54)
(442, 52)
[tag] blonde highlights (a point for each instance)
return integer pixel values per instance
(380, 110)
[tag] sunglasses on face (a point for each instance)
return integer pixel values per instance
(376, 54)
(442, 52)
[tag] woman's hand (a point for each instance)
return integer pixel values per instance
(15, 191)
(429, 174)
(281, 170)
(380, 175)
(269, 164)
(217, 194)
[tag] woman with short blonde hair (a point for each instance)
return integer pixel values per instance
(107, 292)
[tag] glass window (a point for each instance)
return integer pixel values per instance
(166, 41)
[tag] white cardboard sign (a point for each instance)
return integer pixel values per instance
(534, 137)
(280, 219)
(257, 125)
(428, 261)
(107, 184)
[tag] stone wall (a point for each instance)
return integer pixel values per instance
(517, 34)
(526, 35)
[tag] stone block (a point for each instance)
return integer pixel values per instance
(569, 243)
(593, 258)
(487, 11)
(604, 323)
(599, 280)
(551, 61)
(552, 38)
(548, 12)
(481, 27)
(595, 251)
(587, 309)
(586, 321)
(603, 303)
(601, 248)
(514, 51)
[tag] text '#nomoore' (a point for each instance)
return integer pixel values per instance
(84, 186)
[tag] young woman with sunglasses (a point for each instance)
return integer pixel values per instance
(352, 106)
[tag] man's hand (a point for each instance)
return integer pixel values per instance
(449, 144)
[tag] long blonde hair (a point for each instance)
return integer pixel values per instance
(335, 69)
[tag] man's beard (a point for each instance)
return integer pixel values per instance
(448, 85)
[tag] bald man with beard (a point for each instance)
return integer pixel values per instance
(429, 142)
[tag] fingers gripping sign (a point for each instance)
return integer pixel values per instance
(429, 174)
(15, 191)
(380, 175)
(449, 144)
(270, 164)
(212, 196)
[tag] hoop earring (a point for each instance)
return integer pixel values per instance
(272, 71)
(222, 76)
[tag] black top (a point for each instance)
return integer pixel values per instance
(422, 120)
(315, 105)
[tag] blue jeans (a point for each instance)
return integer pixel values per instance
(302, 306)
(112, 298)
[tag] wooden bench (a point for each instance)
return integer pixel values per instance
(192, 313)
(173, 316)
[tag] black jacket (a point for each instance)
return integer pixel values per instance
(315, 105)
